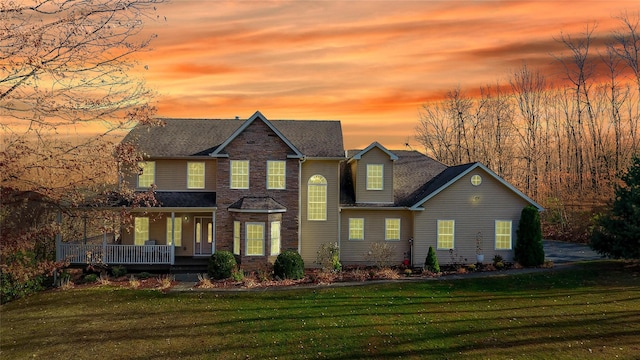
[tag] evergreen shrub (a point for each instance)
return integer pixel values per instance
(431, 263)
(289, 265)
(221, 265)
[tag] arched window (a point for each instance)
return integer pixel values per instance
(317, 195)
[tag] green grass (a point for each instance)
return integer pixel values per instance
(588, 311)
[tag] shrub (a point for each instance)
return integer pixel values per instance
(118, 271)
(381, 254)
(529, 250)
(289, 265)
(328, 257)
(221, 265)
(91, 278)
(431, 263)
(237, 275)
(11, 289)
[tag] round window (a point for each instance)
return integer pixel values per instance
(476, 180)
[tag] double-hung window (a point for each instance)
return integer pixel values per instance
(375, 176)
(255, 239)
(276, 174)
(392, 229)
(239, 174)
(446, 234)
(195, 175)
(503, 235)
(148, 175)
(275, 238)
(236, 237)
(356, 229)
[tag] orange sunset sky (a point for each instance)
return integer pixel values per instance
(370, 64)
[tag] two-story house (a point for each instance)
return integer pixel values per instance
(257, 187)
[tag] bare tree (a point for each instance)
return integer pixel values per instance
(578, 69)
(528, 88)
(67, 85)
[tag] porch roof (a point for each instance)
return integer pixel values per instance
(257, 204)
(186, 199)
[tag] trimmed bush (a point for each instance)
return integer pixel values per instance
(289, 265)
(529, 250)
(431, 263)
(118, 271)
(222, 264)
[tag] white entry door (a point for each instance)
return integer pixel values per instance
(204, 243)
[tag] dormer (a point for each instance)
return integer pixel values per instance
(372, 172)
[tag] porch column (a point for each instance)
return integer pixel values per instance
(59, 236)
(213, 231)
(172, 249)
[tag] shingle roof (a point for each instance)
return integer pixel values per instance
(194, 137)
(258, 203)
(436, 183)
(410, 171)
(185, 199)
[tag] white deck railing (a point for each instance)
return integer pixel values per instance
(115, 254)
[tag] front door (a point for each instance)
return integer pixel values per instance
(204, 243)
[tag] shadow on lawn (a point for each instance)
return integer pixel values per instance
(597, 304)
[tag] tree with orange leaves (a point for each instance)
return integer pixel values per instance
(66, 90)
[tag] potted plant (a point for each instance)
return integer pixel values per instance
(479, 254)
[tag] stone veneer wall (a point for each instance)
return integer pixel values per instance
(258, 143)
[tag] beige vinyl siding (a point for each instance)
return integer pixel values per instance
(374, 156)
(474, 209)
(171, 175)
(314, 233)
(355, 252)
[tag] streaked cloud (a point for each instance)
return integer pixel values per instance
(370, 64)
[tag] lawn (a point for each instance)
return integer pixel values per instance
(588, 311)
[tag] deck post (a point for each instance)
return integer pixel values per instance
(59, 236)
(104, 248)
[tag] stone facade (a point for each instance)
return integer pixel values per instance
(251, 145)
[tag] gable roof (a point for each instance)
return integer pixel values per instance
(453, 174)
(374, 144)
(201, 137)
(256, 116)
(411, 169)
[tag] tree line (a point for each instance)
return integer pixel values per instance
(559, 138)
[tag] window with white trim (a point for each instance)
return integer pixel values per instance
(255, 239)
(275, 238)
(195, 175)
(392, 229)
(236, 237)
(503, 235)
(141, 230)
(147, 177)
(239, 174)
(276, 174)
(356, 229)
(446, 234)
(177, 234)
(317, 198)
(375, 176)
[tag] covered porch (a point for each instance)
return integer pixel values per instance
(180, 227)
